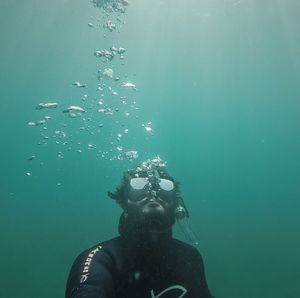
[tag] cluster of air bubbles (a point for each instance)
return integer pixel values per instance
(86, 125)
(112, 12)
(131, 155)
(109, 55)
(74, 111)
(110, 25)
(148, 127)
(37, 123)
(151, 165)
(90, 113)
(40, 122)
(107, 111)
(107, 74)
(110, 6)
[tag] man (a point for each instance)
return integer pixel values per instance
(144, 261)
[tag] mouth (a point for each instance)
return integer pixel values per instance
(153, 204)
(153, 207)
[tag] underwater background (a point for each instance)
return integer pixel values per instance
(210, 86)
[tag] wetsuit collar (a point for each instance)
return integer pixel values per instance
(135, 235)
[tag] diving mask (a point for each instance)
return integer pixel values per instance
(142, 187)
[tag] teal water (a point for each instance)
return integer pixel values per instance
(218, 80)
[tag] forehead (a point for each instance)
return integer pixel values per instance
(138, 174)
(148, 173)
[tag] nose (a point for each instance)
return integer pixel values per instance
(153, 194)
(154, 197)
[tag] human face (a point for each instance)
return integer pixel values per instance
(152, 202)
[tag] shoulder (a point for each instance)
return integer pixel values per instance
(106, 245)
(92, 266)
(183, 245)
(101, 250)
(185, 249)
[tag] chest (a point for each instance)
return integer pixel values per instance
(164, 277)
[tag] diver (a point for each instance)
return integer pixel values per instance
(144, 261)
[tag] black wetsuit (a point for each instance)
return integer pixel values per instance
(132, 266)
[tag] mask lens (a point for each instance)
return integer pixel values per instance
(137, 190)
(166, 185)
(138, 183)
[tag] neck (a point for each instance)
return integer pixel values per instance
(142, 236)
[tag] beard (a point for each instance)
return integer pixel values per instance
(153, 219)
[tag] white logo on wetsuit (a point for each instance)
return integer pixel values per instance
(87, 264)
(168, 290)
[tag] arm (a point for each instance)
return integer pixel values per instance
(91, 275)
